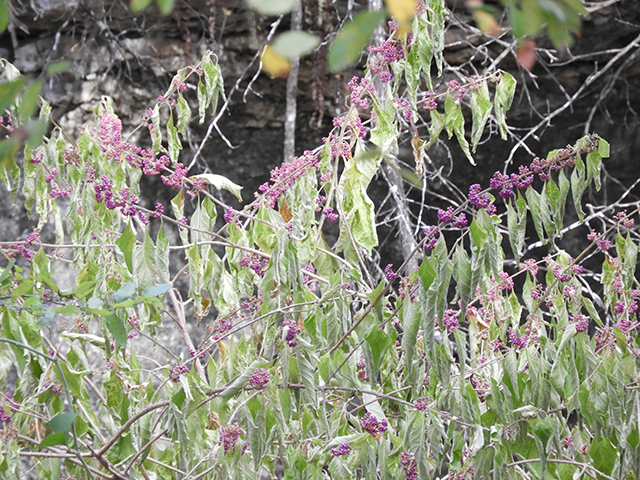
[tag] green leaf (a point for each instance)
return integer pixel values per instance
(166, 6)
(378, 342)
(578, 186)
(603, 455)
(57, 67)
(295, 44)
(240, 381)
(221, 183)
(156, 290)
(454, 123)
(126, 290)
(352, 39)
(272, 7)
(139, 5)
(505, 92)
(125, 243)
(116, 328)
(144, 263)
(5, 14)
(437, 124)
(62, 423)
(480, 112)
(9, 91)
(59, 438)
(184, 114)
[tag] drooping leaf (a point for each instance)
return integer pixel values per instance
(505, 91)
(221, 183)
(352, 39)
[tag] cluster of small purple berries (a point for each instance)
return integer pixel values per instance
(292, 329)
(229, 437)
(370, 424)
(448, 216)
(422, 403)
(455, 89)
(409, 464)
(175, 372)
(222, 326)
(389, 274)
(603, 243)
(282, 177)
(361, 88)
(255, 262)
(386, 53)
(321, 206)
(450, 320)
(343, 449)
(259, 378)
(581, 322)
(362, 370)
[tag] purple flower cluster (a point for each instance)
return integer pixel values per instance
(176, 371)
(159, 211)
(229, 437)
(343, 449)
(259, 378)
(231, 216)
(124, 200)
(409, 464)
(198, 185)
(370, 424)
(282, 177)
(385, 54)
(255, 262)
(339, 148)
(450, 320)
(289, 330)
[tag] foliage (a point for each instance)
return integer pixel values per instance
(484, 362)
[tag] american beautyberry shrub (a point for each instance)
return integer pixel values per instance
(293, 349)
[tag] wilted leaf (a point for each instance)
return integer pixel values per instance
(486, 22)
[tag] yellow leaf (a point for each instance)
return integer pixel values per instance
(486, 22)
(273, 64)
(401, 10)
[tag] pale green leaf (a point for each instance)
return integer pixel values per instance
(272, 7)
(295, 44)
(505, 92)
(480, 111)
(352, 39)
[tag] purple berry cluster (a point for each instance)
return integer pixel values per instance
(361, 88)
(282, 177)
(343, 449)
(384, 55)
(289, 330)
(370, 424)
(229, 437)
(409, 464)
(450, 320)
(422, 403)
(389, 274)
(362, 370)
(177, 370)
(255, 262)
(321, 206)
(259, 378)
